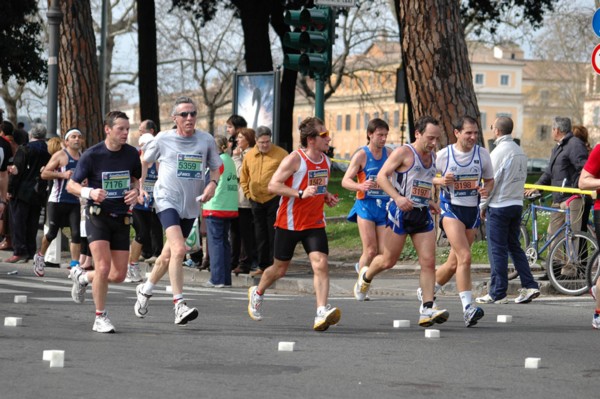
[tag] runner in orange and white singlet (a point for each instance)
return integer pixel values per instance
(301, 181)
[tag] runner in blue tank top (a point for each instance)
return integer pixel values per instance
(369, 208)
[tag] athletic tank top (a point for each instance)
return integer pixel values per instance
(302, 214)
(416, 183)
(463, 191)
(372, 167)
(59, 191)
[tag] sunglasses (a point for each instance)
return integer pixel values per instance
(324, 134)
(186, 114)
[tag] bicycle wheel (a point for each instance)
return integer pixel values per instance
(592, 271)
(568, 261)
(524, 240)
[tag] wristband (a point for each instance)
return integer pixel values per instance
(214, 181)
(86, 192)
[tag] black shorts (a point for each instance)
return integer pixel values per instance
(313, 240)
(107, 228)
(62, 214)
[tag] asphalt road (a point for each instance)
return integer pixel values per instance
(225, 354)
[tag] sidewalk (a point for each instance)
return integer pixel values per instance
(401, 280)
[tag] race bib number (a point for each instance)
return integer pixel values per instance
(318, 178)
(148, 187)
(466, 185)
(377, 191)
(116, 183)
(189, 166)
(420, 193)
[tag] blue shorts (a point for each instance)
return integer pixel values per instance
(468, 215)
(416, 221)
(169, 217)
(372, 209)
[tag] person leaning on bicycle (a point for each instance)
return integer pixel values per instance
(566, 162)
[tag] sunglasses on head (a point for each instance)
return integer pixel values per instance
(185, 114)
(324, 134)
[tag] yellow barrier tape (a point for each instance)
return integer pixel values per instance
(568, 190)
(340, 160)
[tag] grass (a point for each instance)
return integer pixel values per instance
(345, 240)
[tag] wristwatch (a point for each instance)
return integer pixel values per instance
(300, 192)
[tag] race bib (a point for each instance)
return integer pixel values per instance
(466, 185)
(116, 183)
(420, 193)
(377, 191)
(189, 166)
(318, 178)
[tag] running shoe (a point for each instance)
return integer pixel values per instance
(472, 315)
(79, 288)
(183, 313)
(254, 303)
(134, 274)
(102, 324)
(526, 295)
(361, 288)
(596, 321)
(210, 284)
(327, 316)
(141, 304)
(488, 299)
(430, 316)
(38, 265)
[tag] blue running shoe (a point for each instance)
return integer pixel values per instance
(472, 315)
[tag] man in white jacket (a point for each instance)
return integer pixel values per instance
(503, 210)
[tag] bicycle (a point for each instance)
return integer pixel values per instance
(569, 251)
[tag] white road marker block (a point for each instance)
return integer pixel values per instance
(169, 289)
(286, 346)
(20, 298)
(401, 323)
(532, 362)
(55, 357)
(504, 318)
(431, 333)
(13, 321)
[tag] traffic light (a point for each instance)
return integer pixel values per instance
(314, 41)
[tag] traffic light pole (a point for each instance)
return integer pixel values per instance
(320, 97)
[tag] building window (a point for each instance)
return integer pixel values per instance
(483, 118)
(348, 122)
(396, 118)
(596, 116)
(543, 132)
(479, 79)
(376, 115)
(338, 125)
(386, 117)
(357, 121)
(507, 114)
(504, 80)
(366, 121)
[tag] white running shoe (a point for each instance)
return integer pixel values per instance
(488, 299)
(141, 304)
(472, 315)
(183, 314)
(134, 274)
(361, 288)
(79, 288)
(102, 324)
(38, 265)
(526, 295)
(326, 316)
(430, 316)
(596, 321)
(254, 303)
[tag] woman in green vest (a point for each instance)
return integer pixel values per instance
(217, 214)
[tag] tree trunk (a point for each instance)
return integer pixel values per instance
(437, 62)
(78, 78)
(255, 24)
(147, 61)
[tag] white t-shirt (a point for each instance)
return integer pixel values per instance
(182, 165)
